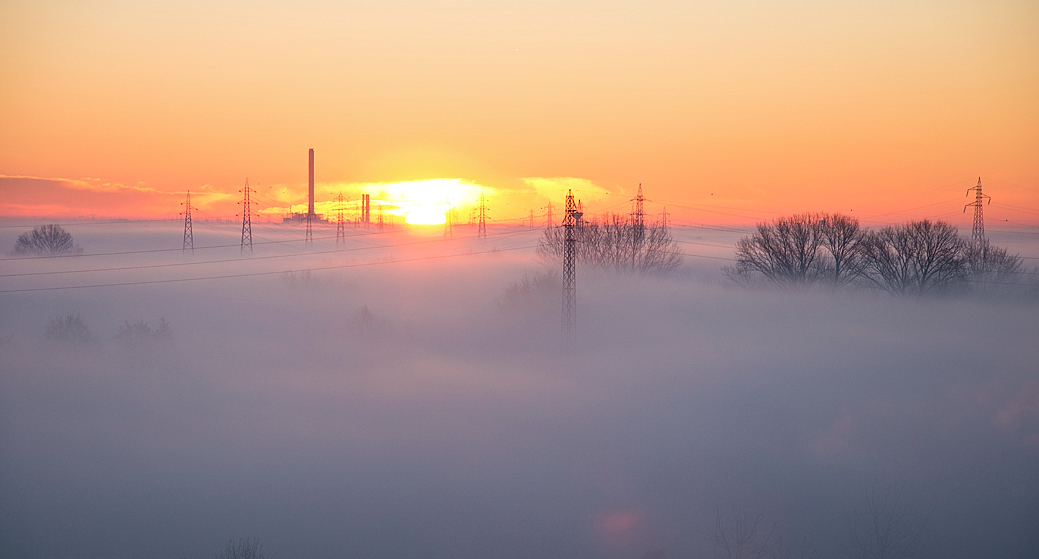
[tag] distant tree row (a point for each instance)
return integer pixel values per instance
(612, 242)
(913, 258)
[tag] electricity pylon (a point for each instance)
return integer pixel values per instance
(569, 268)
(189, 237)
(247, 222)
(366, 210)
(977, 234)
(481, 226)
(310, 230)
(340, 223)
(548, 216)
(531, 220)
(638, 222)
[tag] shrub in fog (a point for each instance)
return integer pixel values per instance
(69, 328)
(46, 240)
(242, 549)
(740, 536)
(532, 287)
(139, 332)
(611, 242)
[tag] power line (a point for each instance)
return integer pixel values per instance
(225, 260)
(268, 273)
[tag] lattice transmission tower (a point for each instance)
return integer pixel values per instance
(548, 216)
(977, 234)
(247, 222)
(570, 268)
(481, 224)
(189, 236)
(310, 200)
(638, 225)
(340, 220)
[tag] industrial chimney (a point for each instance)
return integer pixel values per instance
(310, 200)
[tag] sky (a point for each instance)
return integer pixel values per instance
(724, 112)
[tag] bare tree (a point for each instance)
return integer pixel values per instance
(991, 268)
(46, 240)
(611, 242)
(784, 251)
(845, 241)
(739, 536)
(915, 258)
(884, 528)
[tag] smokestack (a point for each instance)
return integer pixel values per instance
(310, 200)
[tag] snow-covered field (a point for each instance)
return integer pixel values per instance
(406, 395)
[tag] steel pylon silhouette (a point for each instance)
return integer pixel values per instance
(570, 268)
(977, 234)
(340, 220)
(189, 236)
(481, 225)
(638, 225)
(247, 222)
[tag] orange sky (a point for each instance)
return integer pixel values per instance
(726, 111)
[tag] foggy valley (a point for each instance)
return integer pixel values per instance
(409, 395)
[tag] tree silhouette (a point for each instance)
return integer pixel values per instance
(46, 240)
(785, 251)
(613, 243)
(884, 528)
(915, 258)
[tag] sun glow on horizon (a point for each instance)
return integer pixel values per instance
(426, 202)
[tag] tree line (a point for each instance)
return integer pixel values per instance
(612, 242)
(913, 258)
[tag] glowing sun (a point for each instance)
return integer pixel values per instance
(426, 202)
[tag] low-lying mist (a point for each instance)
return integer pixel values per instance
(427, 408)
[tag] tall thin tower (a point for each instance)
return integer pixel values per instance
(247, 221)
(340, 220)
(569, 268)
(366, 210)
(638, 225)
(481, 226)
(548, 216)
(310, 201)
(977, 234)
(531, 219)
(189, 237)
